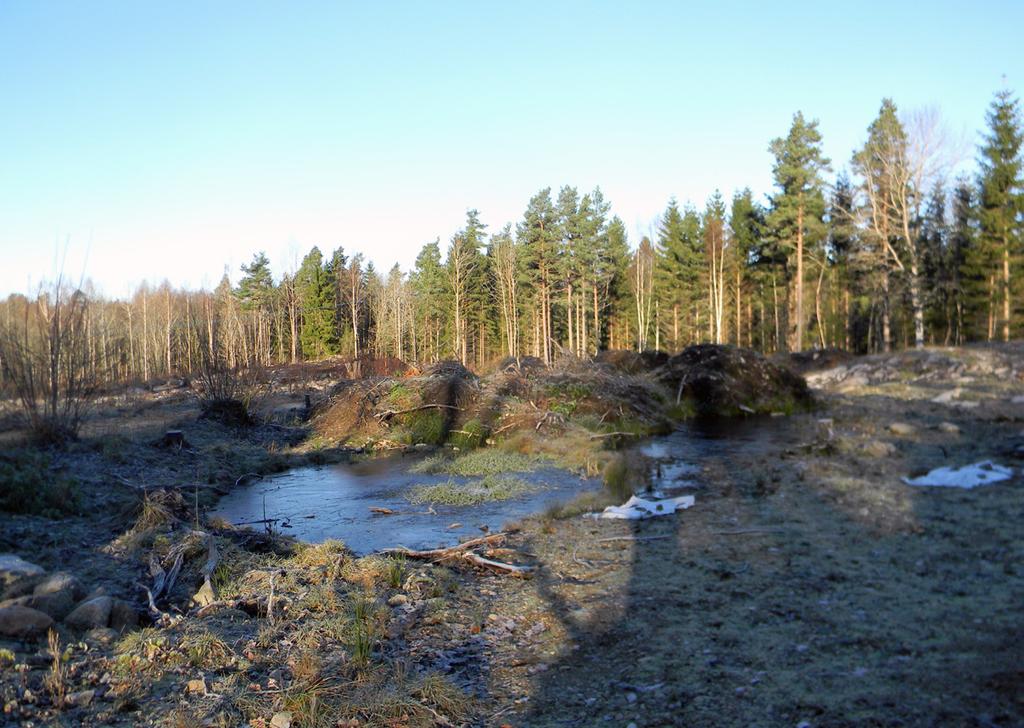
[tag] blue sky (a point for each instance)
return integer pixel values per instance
(167, 140)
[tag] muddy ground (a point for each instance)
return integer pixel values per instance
(807, 586)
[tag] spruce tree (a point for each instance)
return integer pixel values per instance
(1001, 199)
(315, 291)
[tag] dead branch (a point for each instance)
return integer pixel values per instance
(450, 551)
(602, 435)
(635, 538)
(242, 477)
(512, 569)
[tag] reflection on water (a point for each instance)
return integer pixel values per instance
(318, 503)
(336, 501)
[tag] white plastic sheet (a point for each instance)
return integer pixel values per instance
(639, 508)
(968, 476)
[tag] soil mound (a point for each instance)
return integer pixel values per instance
(714, 379)
(631, 362)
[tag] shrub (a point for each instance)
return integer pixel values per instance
(27, 485)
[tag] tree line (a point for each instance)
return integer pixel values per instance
(889, 253)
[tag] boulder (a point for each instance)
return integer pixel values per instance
(55, 604)
(902, 429)
(19, 621)
(123, 616)
(59, 582)
(13, 568)
(91, 613)
(878, 449)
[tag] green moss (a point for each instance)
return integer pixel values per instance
(471, 435)
(452, 493)
(28, 485)
(425, 426)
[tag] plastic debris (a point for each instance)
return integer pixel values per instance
(639, 508)
(968, 476)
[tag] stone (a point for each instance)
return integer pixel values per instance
(205, 596)
(196, 687)
(902, 429)
(20, 621)
(281, 720)
(13, 568)
(91, 613)
(879, 449)
(123, 616)
(57, 604)
(61, 581)
(949, 428)
(81, 699)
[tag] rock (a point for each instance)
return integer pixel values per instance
(878, 449)
(205, 596)
(20, 621)
(59, 582)
(57, 605)
(196, 687)
(91, 613)
(902, 429)
(398, 600)
(80, 699)
(13, 568)
(946, 397)
(949, 428)
(281, 720)
(102, 636)
(123, 616)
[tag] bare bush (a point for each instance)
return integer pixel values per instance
(227, 393)
(45, 360)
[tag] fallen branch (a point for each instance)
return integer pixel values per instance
(447, 552)
(635, 538)
(242, 477)
(496, 565)
(748, 531)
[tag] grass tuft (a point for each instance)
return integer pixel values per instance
(485, 490)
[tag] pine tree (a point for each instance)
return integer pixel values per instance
(798, 209)
(255, 293)
(1001, 198)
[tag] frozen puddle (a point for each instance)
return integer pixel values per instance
(968, 476)
(337, 501)
(637, 509)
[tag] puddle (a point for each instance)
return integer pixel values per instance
(677, 457)
(335, 501)
(318, 503)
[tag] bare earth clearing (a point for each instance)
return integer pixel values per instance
(807, 586)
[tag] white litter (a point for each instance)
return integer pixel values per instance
(638, 508)
(968, 476)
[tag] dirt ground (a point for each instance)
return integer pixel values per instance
(807, 586)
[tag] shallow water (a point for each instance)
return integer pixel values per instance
(334, 501)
